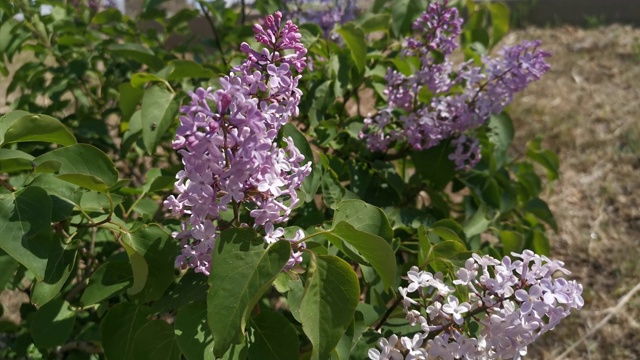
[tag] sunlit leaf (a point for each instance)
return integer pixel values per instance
(329, 302)
(242, 269)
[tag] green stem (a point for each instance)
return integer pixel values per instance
(216, 36)
(6, 185)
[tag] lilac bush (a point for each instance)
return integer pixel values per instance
(227, 140)
(278, 256)
(461, 97)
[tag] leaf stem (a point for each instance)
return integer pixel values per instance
(388, 313)
(7, 186)
(216, 36)
(322, 232)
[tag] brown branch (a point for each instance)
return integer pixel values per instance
(386, 315)
(84, 346)
(6, 185)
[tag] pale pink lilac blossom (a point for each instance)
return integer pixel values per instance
(512, 302)
(227, 141)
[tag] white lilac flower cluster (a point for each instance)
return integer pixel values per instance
(459, 99)
(227, 140)
(512, 302)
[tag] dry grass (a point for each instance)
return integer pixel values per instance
(587, 109)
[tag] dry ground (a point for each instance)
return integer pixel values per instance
(587, 109)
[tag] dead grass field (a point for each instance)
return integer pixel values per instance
(587, 109)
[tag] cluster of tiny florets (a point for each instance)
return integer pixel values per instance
(324, 13)
(456, 100)
(227, 141)
(512, 302)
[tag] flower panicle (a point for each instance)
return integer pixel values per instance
(227, 141)
(459, 98)
(513, 302)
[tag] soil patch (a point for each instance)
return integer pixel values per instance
(587, 109)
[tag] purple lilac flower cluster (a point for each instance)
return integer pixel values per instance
(462, 98)
(227, 140)
(95, 5)
(513, 302)
(324, 13)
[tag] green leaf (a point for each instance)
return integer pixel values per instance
(547, 158)
(6, 33)
(158, 112)
(107, 16)
(294, 297)
(541, 243)
(192, 332)
(129, 98)
(190, 288)
(37, 128)
(49, 166)
(64, 196)
(111, 278)
(83, 165)
(330, 299)
(501, 134)
(158, 249)
(52, 324)
(403, 12)
(299, 140)
(378, 22)
(343, 349)
(15, 160)
(241, 272)
(311, 184)
(476, 224)
(499, 21)
(155, 340)
(8, 119)
(332, 190)
(354, 37)
(448, 229)
(322, 99)
(446, 250)
(25, 222)
(137, 53)
(366, 249)
(59, 266)
(188, 69)
(139, 79)
(361, 345)
(139, 267)
(8, 266)
(433, 166)
(364, 217)
(118, 328)
(274, 338)
(541, 210)
(512, 241)
(424, 245)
